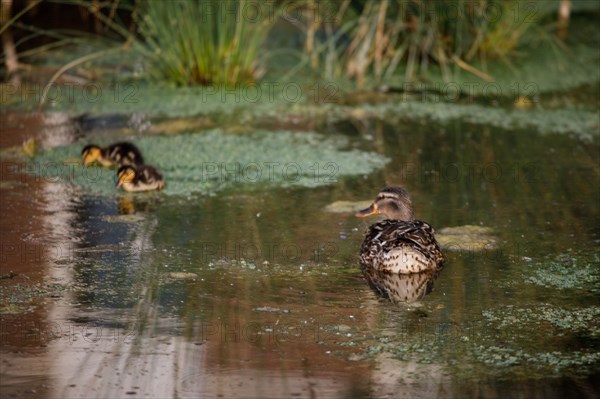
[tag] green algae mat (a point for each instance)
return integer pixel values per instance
(211, 161)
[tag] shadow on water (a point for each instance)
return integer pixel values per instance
(258, 293)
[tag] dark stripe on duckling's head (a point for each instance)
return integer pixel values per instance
(88, 147)
(125, 174)
(90, 153)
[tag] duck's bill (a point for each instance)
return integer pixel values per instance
(372, 210)
(119, 183)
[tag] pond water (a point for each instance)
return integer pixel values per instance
(254, 289)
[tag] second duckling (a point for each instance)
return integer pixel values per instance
(139, 178)
(124, 153)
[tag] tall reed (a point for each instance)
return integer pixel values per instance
(388, 36)
(204, 42)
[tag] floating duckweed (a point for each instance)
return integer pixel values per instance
(566, 275)
(21, 298)
(556, 361)
(508, 340)
(583, 320)
(212, 161)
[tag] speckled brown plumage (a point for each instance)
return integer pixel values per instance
(399, 244)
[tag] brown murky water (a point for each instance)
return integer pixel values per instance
(258, 293)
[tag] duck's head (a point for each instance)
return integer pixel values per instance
(393, 202)
(90, 153)
(125, 174)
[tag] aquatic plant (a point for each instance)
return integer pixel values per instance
(566, 275)
(205, 42)
(548, 362)
(112, 38)
(583, 321)
(187, 43)
(213, 161)
(388, 36)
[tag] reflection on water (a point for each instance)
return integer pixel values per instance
(48, 129)
(258, 293)
(401, 287)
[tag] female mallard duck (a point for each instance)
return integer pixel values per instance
(139, 178)
(399, 244)
(119, 154)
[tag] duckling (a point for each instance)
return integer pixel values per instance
(399, 244)
(120, 154)
(139, 178)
